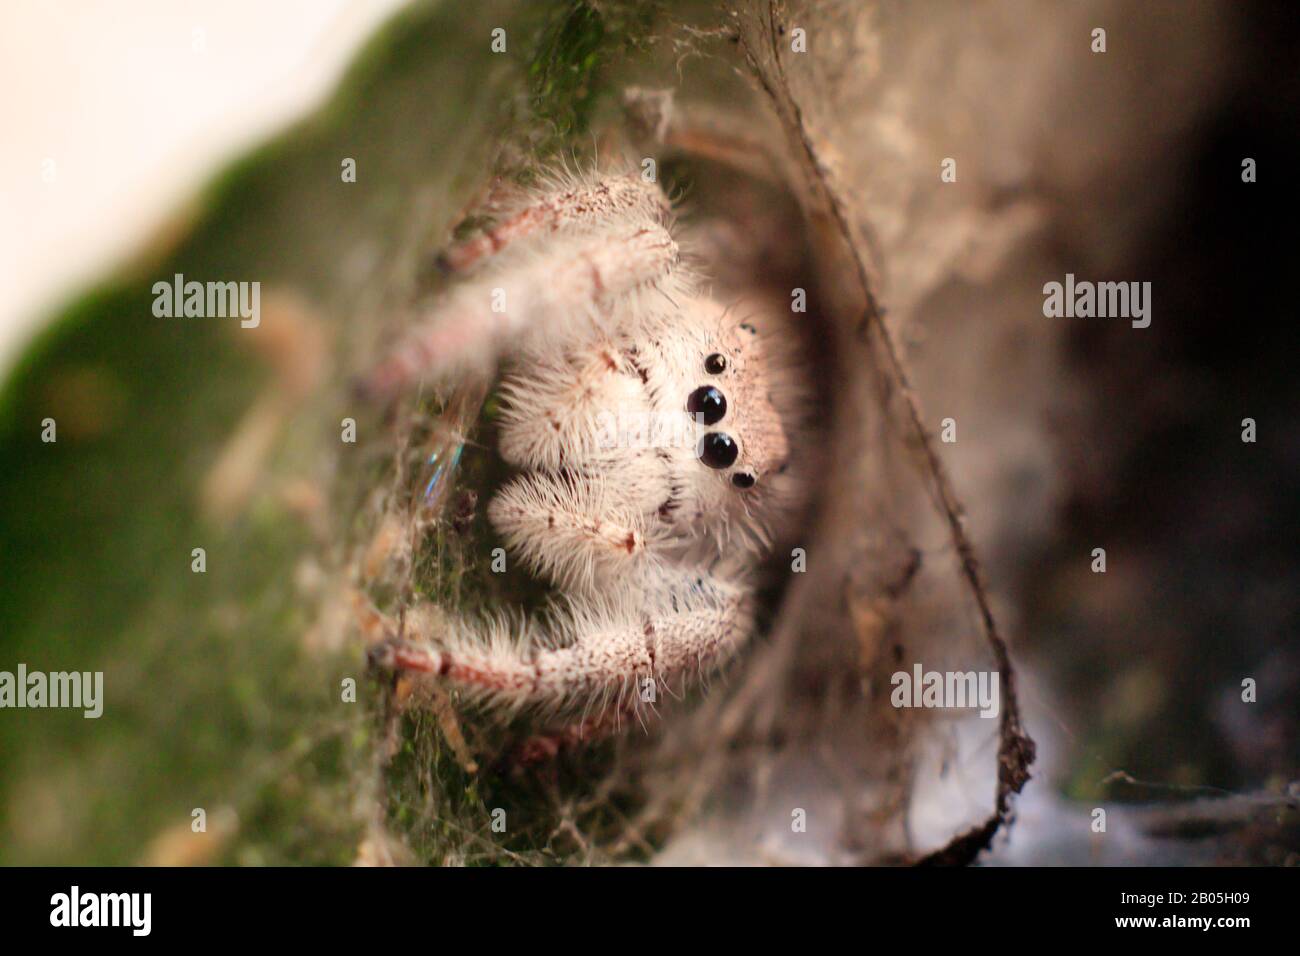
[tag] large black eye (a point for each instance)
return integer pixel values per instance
(717, 450)
(707, 404)
(715, 364)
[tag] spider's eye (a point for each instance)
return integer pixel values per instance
(717, 450)
(743, 479)
(749, 328)
(707, 404)
(715, 364)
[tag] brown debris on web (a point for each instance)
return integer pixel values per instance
(760, 27)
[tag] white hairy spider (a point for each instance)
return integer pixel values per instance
(655, 431)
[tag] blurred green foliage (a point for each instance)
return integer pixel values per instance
(211, 700)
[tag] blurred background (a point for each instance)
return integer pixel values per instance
(117, 115)
(207, 139)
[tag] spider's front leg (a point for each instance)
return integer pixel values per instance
(540, 296)
(575, 204)
(699, 620)
(601, 659)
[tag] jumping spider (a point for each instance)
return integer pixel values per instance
(655, 429)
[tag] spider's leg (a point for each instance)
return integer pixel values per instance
(591, 655)
(700, 623)
(700, 619)
(539, 296)
(596, 656)
(566, 206)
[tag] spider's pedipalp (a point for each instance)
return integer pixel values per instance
(571, 532)
(552, 417)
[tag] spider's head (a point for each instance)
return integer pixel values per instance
(742, 435)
